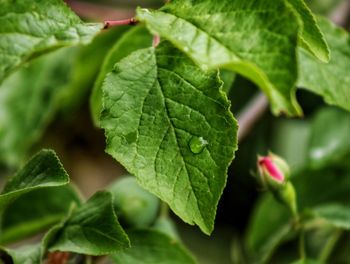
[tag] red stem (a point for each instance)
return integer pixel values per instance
(115, 23)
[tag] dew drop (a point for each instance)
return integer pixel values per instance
(197, 144)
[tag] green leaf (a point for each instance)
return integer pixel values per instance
(92, 229)
(255, 38)
(30, 254)
(36, 211)
(328, 80)
(30, 28)
(43, 170)
(134, 39)
(263, 239)
(329, 139)
(311, 35)
(87, 64)
(149, 247)
(28, 101)
(169, 124)
(336, 214)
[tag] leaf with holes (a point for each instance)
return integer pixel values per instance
(169, 123)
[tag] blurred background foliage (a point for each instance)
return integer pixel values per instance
(45, 105)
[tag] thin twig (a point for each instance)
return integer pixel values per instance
(115, 23)
(156, 40)
(252, 112)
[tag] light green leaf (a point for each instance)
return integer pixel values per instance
(23, 255)
(30, 28)
(43, 170)
(36, 211)
(92, 229)
(149, 247)
(86, 66)
(311, 35)
(331, 81)
(169, 124)
(136, 38)
(336, 214)
(263, 239)
(329, 140)
(255, 38)
(28, 101)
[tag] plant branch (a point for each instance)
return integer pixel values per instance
(252, 112)
(115, 23)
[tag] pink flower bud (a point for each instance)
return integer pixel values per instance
(267, 167)
(273, 170)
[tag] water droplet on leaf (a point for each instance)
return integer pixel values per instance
(197, 144)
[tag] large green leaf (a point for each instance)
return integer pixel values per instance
(331, 81)
(329, 139)
(149, 247)
(43, 170)
(336, 214)
(36, 211)
(28, 100)
(255, 38)
(169, 124)
(136, 38)
(85, 68)
(91, 229)
(311, 35)
(23, 255)
(30, 28)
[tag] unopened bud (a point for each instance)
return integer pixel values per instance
(273, 171)
(274, 175)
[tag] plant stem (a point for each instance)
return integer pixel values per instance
(164, 210)
(302, 244)
(247, 118)
(329, 246)
(115, 23)
(156, 40)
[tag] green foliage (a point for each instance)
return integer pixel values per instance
(29, 99)
(150, 247)
(329, 142)
(200, 29)
(150, 129)
(311, 35)
(42, 171)
(328, 80)
(134, 39)
(20, 220)
(165, 111)
(91, 229)
(38, 27)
